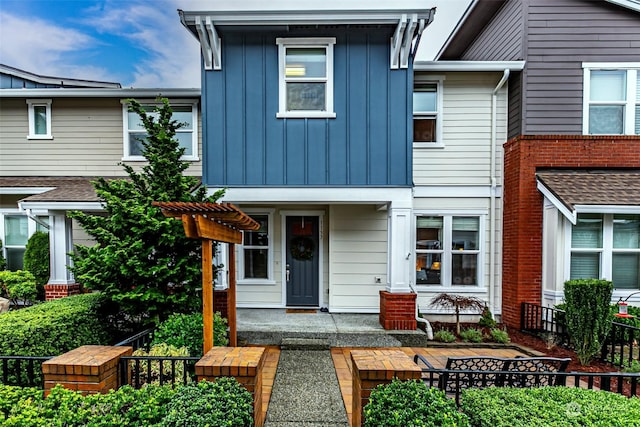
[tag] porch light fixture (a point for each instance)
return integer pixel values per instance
(623, 307)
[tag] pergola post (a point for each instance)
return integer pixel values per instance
(207, 293)
(231, 297)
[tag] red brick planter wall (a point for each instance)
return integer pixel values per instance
(60, 291)
(523, 203)
(398, 311)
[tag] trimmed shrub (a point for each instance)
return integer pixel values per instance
(549, 406)
(53, 327)
(444, 336)
(220, 403)
(588, 315)
(499, 336)
(486, 319)
(411, 404)
(471, 335)
(185, 330)
(36, 260)
(18, 286)
(12, 395)
(124, 407)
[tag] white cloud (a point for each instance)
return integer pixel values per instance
(171, 53)
(40, 47)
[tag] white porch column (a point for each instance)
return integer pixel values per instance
(61, 244)
(400, 250)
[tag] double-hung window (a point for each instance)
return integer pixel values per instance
(15, 230)
(39, 119)
(612, 99)
(187, 134)
(448, 250)
(256, 254)
(606, 246)
(427, 114)
(305, 77)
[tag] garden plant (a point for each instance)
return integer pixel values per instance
(588, 315)
(36, 260)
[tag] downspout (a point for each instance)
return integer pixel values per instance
(494, 185)
(38, 221)
(417, 316)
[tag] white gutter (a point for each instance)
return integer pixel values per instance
(468, 65)
(494, 185)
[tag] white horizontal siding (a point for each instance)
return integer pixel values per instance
(466, 156)
(87, 140)
(358, 254)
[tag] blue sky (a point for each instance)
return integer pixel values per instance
(141, 43)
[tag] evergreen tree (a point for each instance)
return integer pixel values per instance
(142, 260)
(36, 260)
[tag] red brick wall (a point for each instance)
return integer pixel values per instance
(397, 311)
(522, 235)
(220, 302)
(60, 291)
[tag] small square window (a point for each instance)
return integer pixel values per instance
(306, 77)
(39, 119)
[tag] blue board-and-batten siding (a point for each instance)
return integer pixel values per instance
(367, 144)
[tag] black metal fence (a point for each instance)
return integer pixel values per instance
(141, 340)
(137, 371)
(620, 348)
(459, 380)
(23, 371)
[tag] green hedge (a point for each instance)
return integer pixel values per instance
(185, 330)
(53, 327)
(549, 406)
(223, 403)
(411, 404)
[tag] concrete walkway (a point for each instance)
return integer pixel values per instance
(306, 391)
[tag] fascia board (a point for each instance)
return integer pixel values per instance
(569, 213)
(99, 93)
(468, 65)
(293, 17)
(62, 206)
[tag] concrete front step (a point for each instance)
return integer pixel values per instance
(331, 339)
(292, 343)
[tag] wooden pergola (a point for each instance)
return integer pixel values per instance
(220, 222)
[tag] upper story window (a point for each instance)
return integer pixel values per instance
(305, 68)
(427, 114)
(611, 99)
(448, 250)
(606, 246)
(39, 119)
(187, 135)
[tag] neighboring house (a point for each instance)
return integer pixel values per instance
(372, 180)
(572, 155)
(56, 135)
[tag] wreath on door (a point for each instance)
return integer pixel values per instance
(302, 248)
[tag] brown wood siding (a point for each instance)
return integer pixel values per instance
(502, 39)
(562, 34)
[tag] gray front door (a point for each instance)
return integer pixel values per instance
(302, 261)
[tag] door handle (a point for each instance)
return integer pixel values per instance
(288, 272)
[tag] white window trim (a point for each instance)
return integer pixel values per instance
(174, 103)
(240, 250)
(312, 42)
(606, 252)
(632, 69)
(31, 228)
(447, 254)
(439, 82)
(32, 118)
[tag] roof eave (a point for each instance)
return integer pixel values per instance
(468, 65)
(99, 93)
